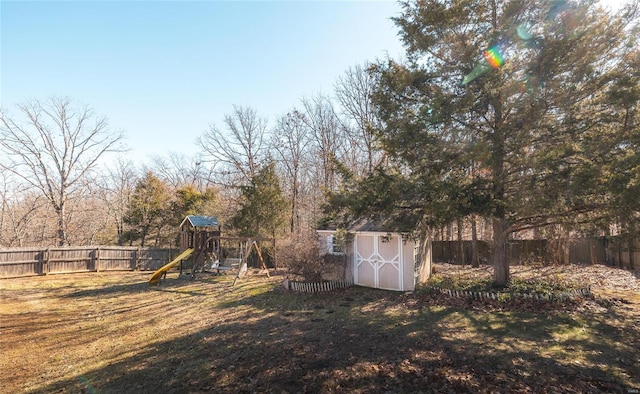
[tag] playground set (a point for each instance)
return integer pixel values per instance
(201, 243)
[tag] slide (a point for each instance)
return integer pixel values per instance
(158, 274)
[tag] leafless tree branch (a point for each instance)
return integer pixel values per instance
(53, 149)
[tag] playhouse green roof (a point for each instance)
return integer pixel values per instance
(201, 221)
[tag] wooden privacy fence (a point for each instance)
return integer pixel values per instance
(16, 262)
(596, 250)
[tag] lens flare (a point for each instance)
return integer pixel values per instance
(524, 32)
(565, 13)
(477, 71)
(493, 57)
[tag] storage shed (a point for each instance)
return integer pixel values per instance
(378, 257)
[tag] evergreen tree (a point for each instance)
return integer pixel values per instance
(190, 201)
(263, 209)
(623, 122)
(149, 209)
(498, 111)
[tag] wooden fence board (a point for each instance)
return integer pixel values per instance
(41, 261)
(596, 250)
(17, 262)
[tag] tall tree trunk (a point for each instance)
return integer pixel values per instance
(2, 213)
(475, 260)
(500, 257)
(62, 234)
(460, 242)
(565, 246)
(449, 239)
(275, 252)
(294, 207)
(120, 231)
(620, 261)
(42, 235)
(143, 236)
(425, 257)
(630, 247)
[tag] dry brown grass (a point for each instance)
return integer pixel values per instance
(112, 333)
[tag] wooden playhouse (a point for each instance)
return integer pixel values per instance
(200, 233)
(201, 243)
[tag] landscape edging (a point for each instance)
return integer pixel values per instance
(502, 296)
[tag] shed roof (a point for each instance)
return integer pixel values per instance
(366, 225)
(201, 221)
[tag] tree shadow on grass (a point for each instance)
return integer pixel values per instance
(358, 340)
(181, 285)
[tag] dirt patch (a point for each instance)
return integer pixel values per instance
(609, 285)
(596, 276)
(111, 332)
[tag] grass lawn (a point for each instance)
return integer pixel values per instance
(112, 333)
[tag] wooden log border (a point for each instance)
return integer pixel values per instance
(479, 295)
(316, 287)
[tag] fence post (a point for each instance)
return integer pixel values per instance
(45, 263)
(137, 259)
(96, 256)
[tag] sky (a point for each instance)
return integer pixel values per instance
(163, 72)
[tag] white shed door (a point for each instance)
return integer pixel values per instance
(378, 261)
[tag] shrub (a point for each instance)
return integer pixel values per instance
(301, 256)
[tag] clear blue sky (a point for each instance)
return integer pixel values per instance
(164, 71)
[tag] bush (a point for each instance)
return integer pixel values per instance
(301, 256)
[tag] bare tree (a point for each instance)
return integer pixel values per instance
(324, 124)
(354, 92)
(89, 223)
(238, 150)
(180, 170)
(4, 207)
(290, 142)
(19, 208)
(54, 148)
(115, 189)
(22, 220)
(25, 218)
